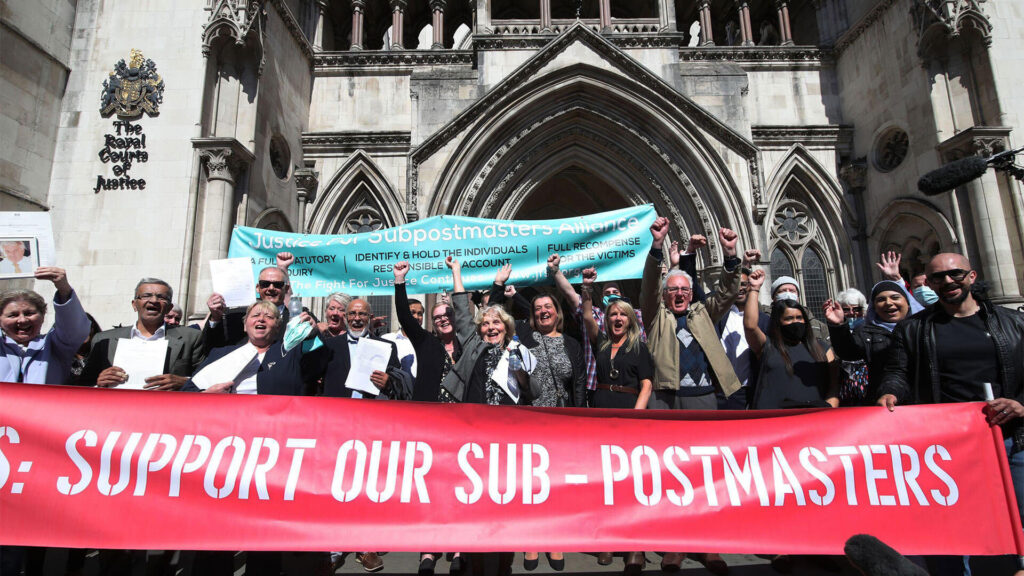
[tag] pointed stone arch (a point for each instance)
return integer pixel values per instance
(914, 228)
(805, 219)
(273, 219)
(357, 192)
(623, 118)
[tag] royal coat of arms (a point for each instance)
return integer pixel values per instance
(132, 88)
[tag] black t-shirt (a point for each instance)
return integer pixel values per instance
(966, 358)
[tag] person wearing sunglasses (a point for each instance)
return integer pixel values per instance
(950, 349)
(225, 327)
(185, 350)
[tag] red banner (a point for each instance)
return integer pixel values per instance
(151, 470)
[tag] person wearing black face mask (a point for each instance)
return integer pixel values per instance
(797, 369)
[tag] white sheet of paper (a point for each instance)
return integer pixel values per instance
(140, 359)
(369, 355)
(226, 369)
(232, 278)
(34, 224)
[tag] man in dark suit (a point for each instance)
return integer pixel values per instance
(225, 326)
(332, 363)
(185, 350)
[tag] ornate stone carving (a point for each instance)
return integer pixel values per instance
(314, 143)
(224, 158)
(980, 140)
(498, 194)
(826, 135)
(890, 149)
(945, 19)
(326, 63)
(364, 219)
(775, 56)
(238, 20)
(216, 162)
(792, 224)
(294, 28)
(306, 182)
(855, 174)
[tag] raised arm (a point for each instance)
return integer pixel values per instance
(413, 330)
(456, 269)
(650, 285)
(728, 285)
(755, 337)
(555, 272)
(498, 292)
(589, 276)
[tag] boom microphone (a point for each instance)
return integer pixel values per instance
(951, 175)
(874, 558)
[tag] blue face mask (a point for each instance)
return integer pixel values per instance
(925, 295)
(607, 300)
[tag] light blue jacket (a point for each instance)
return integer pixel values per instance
(47, 358)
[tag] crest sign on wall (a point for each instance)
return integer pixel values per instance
(132, 89)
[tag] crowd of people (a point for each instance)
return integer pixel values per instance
(682, 345)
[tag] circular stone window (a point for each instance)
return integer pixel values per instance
(890, 149)
(280, 156)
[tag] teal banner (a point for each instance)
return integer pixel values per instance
(616, 243)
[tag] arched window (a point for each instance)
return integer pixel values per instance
(815, 284)
(781, 266)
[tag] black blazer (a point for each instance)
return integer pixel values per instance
(185, 352)
(231, 328)
(429, 350)
(332, 363)
(280, 372)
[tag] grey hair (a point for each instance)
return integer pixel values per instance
(852, 297)
(170, 290)
(672, 273)
(29, 296)
(177, 309)
(340, 298)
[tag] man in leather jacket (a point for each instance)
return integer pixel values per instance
(945, 353)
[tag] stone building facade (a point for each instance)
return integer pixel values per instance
(802, 124)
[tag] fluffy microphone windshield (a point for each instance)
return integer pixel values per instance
(873, 558)
(952, 175)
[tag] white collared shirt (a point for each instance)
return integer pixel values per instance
(734, 340)
(405, 349)
(159, 334)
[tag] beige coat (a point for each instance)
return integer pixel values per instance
(700, 319)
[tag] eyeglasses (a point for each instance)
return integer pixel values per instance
(358, 314)
(279, 284)
(852, 310)
(440, 317)
(678, 289)
(956, 275)
(151, 296)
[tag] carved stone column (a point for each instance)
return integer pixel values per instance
(994, 244)
(397, 20)
(605, 8)
(358, 10)
(437, 23)
(854, 174)
(785, 32)
(667, 16)
(224, 168)
(705, 22)
(746, 32)
(545, 15)
(306, 182)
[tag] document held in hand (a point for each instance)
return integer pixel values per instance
(232, 278)
(140, 359)
(369, 355)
